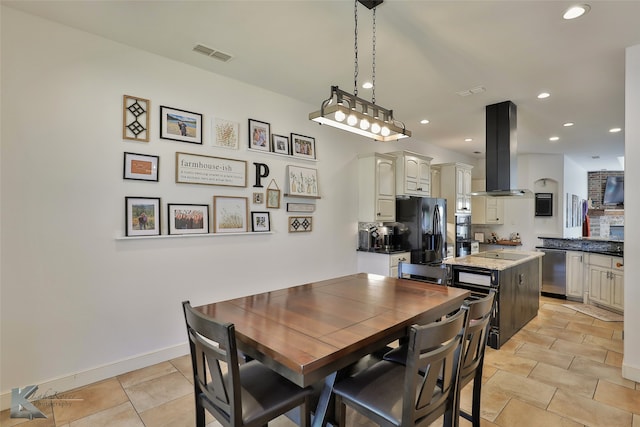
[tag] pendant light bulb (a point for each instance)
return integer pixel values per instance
(364, 124)
(352, 120)
(340, 116)
(375, 128)
(385, 131)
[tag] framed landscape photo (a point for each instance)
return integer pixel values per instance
(225, 133)
(259, 135)
(141, 167)
(303, 146)
(180, 125)
(188, 219)
(142, 216)
(280, 144)
(302, 182)
(230, 214)
(260, 221)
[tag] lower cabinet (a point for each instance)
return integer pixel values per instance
(575, 276)
(606, 280)
(380, 263)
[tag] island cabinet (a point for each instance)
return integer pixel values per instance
(455, 186)
(606, 280)
(413, 174)
(376, 188)
(575, 275)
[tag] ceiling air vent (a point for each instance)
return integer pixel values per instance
(205, 50)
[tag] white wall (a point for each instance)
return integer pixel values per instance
(631, 361)
(78, 304)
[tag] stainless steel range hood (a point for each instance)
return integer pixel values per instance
(501, 146)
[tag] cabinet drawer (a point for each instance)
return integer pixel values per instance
(396, 258)
(617, 263)
(600, 260)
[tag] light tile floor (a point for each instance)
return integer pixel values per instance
(562, 369)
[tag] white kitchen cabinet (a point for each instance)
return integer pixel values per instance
(575, 273)
(380, 263)
(606, 280)
(376, 188)
(413, 174)
(455, 186)
(487, 210)
(435, 181)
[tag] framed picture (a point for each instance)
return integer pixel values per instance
(300, 224)
(140, 167)
(301, 207)
(303, 146)
(135, 118)
(280, 144)
(258, 198)
(180, 125)
(273, 198)
(208, 170)
(225, 133)
(260, 221)
(230, 214)
(188, 219)
(259, 135)
(142, 215)
(302, 182)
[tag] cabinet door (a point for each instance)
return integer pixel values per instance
(574, 275)
(424, 177)
(385, 190)
(599, 285)
(494, 209)
(617, 290)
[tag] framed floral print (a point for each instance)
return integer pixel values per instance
(230, 214)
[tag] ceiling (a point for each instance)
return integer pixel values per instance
(426, 53)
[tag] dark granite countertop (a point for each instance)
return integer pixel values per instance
(611, 247)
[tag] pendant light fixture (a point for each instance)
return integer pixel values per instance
(348, 112)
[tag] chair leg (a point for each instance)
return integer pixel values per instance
(341, 412)
(305, 416)
(475, 404)
(200, 416)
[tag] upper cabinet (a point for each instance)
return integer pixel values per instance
(413, 174)
(455, 186)
(485, 210)
(376, 187)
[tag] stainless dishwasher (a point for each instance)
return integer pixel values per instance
(554, 272)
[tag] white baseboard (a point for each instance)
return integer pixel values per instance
(80, 379)
(631, 372)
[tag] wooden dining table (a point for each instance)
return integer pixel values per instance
(311, 332)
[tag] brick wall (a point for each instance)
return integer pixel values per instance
(600, 220)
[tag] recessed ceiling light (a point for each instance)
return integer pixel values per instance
(615, 130)
(576, 11)
(367, 85)
(568, 124)
(554, 138)
(543, 95)
(424, 121)
(468, 139)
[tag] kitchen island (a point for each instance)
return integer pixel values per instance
(515, 276)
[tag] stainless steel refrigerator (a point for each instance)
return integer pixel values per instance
(424, 223)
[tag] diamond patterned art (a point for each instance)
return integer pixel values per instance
(135, 118)
(299, 224)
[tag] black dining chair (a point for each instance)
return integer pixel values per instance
(236, 395)
(423, 273)
(479, 316)
(415, 393)
(476, 336)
